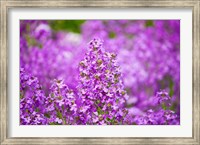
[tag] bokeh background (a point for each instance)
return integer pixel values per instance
(148, 52)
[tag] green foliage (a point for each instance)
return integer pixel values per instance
(149, 23)
(167, 82)
(32, 42)
(171, 87)
(54, 123)
(47, 115)
(67, 25)
(112, 121)
(173, 107)
(164, 107)
(59, 114)
(100, 111)
(21, 95)
(37, 110)
(112, 35)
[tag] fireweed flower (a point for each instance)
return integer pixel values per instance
(100, 88)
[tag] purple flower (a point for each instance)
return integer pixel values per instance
(58, 120)
(162, 97)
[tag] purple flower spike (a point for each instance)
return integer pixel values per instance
(31, 100)
(100, 87)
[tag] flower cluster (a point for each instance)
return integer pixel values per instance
(161, 115)
(31, 100)
(100, 88)
(60, 104)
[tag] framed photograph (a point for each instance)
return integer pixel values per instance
(100, 72)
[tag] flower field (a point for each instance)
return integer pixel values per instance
(99, 72)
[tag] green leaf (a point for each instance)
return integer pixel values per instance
(37, 110)
(164, 106)
(112, 120)
(67, 25)
(100, 111)
(59, 115)
(47, 115)
(173, 107)
(149, 23)
(112, 35)
(54, 123)
(32, 41)
(21, 95)
(171, 87)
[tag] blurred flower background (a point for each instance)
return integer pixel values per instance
(147, 53)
